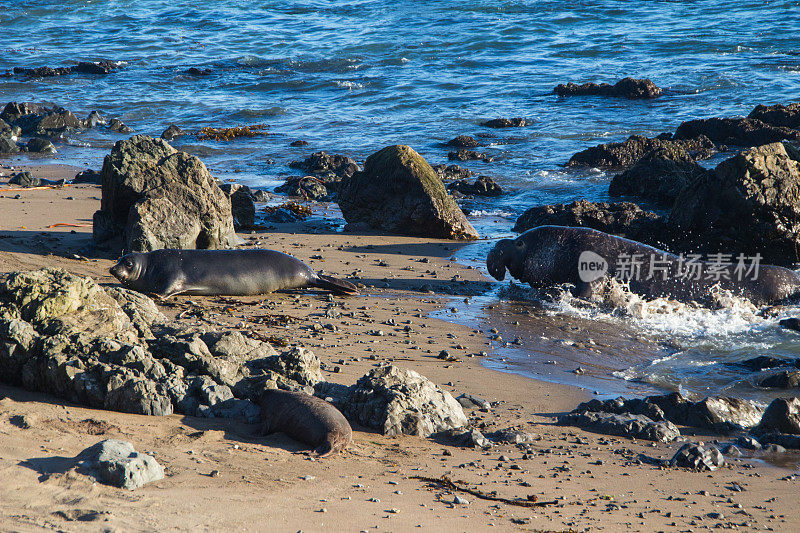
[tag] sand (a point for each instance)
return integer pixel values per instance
(220, 477)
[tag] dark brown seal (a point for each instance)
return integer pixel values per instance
(305, 418)
(551, 255)
(220, 272)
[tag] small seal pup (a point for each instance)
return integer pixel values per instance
(550, 255)
(305, 418)
(220, 272)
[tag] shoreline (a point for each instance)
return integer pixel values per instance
(594, 478)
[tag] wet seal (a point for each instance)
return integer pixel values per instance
(305, 418)
(165, 273)
(552, 255)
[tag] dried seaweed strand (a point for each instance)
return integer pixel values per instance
(453, 485)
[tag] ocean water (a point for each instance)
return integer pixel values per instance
(352, 77)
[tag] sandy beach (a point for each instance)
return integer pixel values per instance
(220, 477)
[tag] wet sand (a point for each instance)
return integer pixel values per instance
(263, 483)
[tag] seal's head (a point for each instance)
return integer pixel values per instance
(130, 268)
(506, 253)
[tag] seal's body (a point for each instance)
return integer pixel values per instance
(305, 418)
(550, 255)
(220, 272)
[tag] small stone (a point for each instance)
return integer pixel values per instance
(458, 500)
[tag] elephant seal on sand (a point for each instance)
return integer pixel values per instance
(220, 272)
(305, 418)
(550, 255)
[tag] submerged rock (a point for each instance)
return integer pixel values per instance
(735, 131)
(625, 88)
(627, 153)
(463, 141)
(396, 401)
(172, 132)
(398, 191)
(157, 197)
(625, 425)
(115, 462)
(517, 122)
(469, 155)
(782, 380)
(483, 186)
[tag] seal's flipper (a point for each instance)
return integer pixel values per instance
(582, 289)
(339, 286)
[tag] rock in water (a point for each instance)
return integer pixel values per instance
(626, 88)
(116, 463)
(399, 192)
(736, 131)
(396, 401)
(157, 197)
(782, 380)
(698, 457)
(782, 416)
(628, 152)
(658, 176)
(778, 115)
(760, 185)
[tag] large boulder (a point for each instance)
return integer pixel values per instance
(157, 197)
(735, 131)
(782, 416)
(626, 88)
(399, 192)
(698, 457)
(627, 153)
(622, 425)
(761, 186)
(659, 175)
(396, 401)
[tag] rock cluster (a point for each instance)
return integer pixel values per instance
(399, 192)
(104, 66)
(154, 196)
(326, 172)
(627, 153)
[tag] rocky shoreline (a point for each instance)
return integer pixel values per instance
(107, 348)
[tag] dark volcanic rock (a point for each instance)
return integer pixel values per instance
(625, 88)
(469, 155)
(783, 380)
(298, 143)
(41, 146)
(94, 119)
(26, 179)
(104, 66)
(13, 111)
(792, 323)
(628, 152)
(791, 442)
(243, 208)
(88, 176)
(624, 218)
(157, 197)
(736, 131)
(483, 186)
(760, 185)
(719, 414)
(118, 126)
(782, 416)
(311, 188)
(452, 172)
(398, 191)
(764, 362)
(323, 163)
(778, 115)
(463, 141)
(172, 132)
(659, 175)
(42, 72)
(194, 71)
(517, 122)
(7, 145)
(632, 426)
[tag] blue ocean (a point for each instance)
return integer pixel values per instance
(352, 77)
